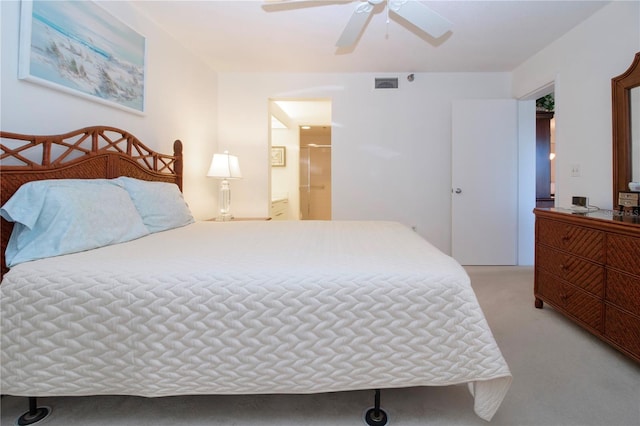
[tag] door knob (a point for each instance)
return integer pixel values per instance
(458, 191)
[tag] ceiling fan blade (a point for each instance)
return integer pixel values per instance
(421, 16)
(355, 25)
(279, 5)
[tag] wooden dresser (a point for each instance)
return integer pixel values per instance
(587, 266)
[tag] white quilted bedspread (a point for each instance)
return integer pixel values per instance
(249, 307)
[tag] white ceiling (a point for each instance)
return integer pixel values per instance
(300, 36)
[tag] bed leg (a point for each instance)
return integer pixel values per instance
(376, 416)
(35, 413)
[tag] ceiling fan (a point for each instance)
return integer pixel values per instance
(413, 11)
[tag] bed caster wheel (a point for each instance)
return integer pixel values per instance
(34, 415)
(29, 418)
(376, 417)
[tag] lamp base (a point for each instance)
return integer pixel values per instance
(224, 201)
(224, 217)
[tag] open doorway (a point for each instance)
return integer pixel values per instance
(545, 151)
(300, 140)
(527, 170)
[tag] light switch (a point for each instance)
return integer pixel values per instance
(575, 170)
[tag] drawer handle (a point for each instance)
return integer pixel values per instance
(564, 268)
(566, 238)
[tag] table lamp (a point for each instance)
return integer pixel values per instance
(224, 167)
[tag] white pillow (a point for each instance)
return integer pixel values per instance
(160, 204)
(61, 216)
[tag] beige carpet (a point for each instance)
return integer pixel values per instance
(562, 376)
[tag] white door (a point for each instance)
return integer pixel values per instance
(484, 195)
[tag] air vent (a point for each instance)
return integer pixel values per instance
(386, 83)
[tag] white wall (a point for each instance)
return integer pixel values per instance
(582, 63)
(391, 148)
(180, 102)
(285, 180)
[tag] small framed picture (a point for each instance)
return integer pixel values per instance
(278, 156)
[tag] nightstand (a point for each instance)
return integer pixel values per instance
(239, 219)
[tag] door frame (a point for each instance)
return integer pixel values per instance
(313, 112)
(527, 170)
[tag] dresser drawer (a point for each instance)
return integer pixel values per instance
(587, 275)
(623, 290)
(623, 329)
(570, 299)
(575, 239)
(623, 253)
(279, 209)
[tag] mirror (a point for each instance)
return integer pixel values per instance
(625, 96)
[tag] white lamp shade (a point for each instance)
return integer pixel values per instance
(225, 166)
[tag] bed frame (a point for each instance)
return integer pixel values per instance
(89, 153)
(92, 153)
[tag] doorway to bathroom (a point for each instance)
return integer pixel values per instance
(301, 153)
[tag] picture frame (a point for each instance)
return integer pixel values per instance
(80, 48)
(278, 156)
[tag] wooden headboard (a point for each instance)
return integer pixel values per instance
(89, 153)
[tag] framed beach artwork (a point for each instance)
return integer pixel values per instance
(80, 48)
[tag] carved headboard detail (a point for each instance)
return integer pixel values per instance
(89, 153)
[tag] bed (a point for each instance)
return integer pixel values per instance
(204, 307)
